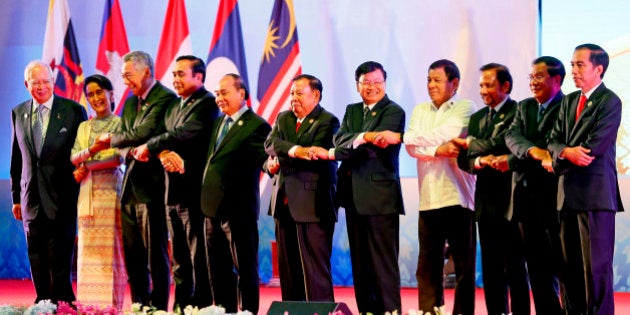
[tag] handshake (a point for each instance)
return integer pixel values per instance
(311, 153)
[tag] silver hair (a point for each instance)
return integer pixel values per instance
(140, 60)
(36, 63)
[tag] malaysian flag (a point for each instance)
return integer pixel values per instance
(227, 52)
(112, 47)
(61, 53)
(175, 41)
(280, 61)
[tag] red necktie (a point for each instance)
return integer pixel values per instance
(297, 126)
(580, 106)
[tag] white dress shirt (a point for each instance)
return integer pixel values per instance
(441, 182)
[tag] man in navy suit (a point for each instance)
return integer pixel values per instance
(369, 189)
(143, 211)
(303, 198)
(486, 155)
(43, 189)
(534, 190)
(583, 148)
(230, 197)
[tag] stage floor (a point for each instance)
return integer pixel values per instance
(21, 292)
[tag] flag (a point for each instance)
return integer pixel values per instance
(227, 52)
(175, 41)
(280, 61)
(61, 53)
(111, 49)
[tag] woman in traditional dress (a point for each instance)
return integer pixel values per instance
(100, 265)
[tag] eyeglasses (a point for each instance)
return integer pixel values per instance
(537, 78)
(40, 83)
(371, 83)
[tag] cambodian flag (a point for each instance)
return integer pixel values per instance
(280, 61)
(61, 53)
(175, 41)
(112, 47)
(227, 52)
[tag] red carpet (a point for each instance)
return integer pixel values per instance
(21, 292)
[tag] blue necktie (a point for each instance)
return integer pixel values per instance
(541, 112)
(224, 131)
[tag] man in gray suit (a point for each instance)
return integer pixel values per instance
(43, 189)
(302, 201)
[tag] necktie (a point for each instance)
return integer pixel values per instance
(541, 112)
(297, 126)
(140, 103)
(491, 113)
(580, 106)
(366, 110)
(38, 128)
(224, 131)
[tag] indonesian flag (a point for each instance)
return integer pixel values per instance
(175, 41)
(61, 53)
(111, 49)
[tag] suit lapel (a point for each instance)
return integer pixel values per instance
(57, 113)
(26, 113)
(236, 128)
(309, 121)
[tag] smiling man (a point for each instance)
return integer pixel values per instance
(303, 198)
(534, 190)
(143, 210)
(583, 147)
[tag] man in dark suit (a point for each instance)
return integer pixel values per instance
(484, 153)
(583, 148)
(230, 197)
(43, 189)
(302, 201)
(143, 211)
(187, 122)
(534, 190)
(369, 189)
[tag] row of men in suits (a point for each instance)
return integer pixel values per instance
(546, 190)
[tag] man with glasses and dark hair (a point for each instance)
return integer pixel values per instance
(187, 121)
(534, 190)
(303, 197)
(143, 210)
(583, 149)
(369, 189)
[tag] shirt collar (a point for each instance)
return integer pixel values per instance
(590, 92)
(146, 93)
(498, 107)
(47, 104)
(239, 113)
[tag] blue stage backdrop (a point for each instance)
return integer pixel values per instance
(336, 36)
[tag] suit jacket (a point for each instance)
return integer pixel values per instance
(46, 182)
(309, 186)
(492, 193)
(143, 181)
(231, 179)
(530, 181)
(186, 132)
(369, 175)
(593, 187)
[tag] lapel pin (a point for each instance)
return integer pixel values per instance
(310, 121)
(25, 116)
(240, 122)
(589, 103)
(501, 116)
(58, 116)
(373, 114)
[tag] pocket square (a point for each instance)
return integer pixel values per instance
(63, 129)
